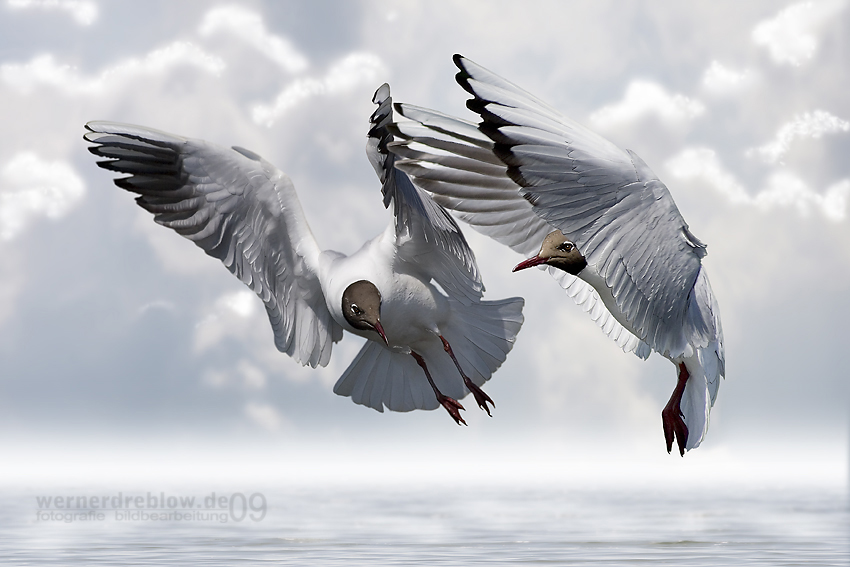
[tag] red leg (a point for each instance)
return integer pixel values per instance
(672, 417)
(480, 397)
(452, 405)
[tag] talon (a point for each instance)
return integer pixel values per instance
(672, 418)
(452, 406)
(674, 426)
(480, 396)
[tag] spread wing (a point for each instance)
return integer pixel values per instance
(428, 239)
(238, 208)
(619, 214)
(454, 161)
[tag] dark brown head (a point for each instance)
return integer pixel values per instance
(557, 251)
(361, 307)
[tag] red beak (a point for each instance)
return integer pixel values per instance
(380, 330)
(530, 263)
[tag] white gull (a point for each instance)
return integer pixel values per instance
(600, 220)
(428, 345)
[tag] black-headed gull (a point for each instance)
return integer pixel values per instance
(425, 348)
(595, 214)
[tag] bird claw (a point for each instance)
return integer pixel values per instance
(452, 406)
(674, 424)
(480, 396)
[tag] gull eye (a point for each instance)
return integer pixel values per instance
(356, 310)
(565, 247)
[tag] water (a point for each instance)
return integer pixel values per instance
(438, 524)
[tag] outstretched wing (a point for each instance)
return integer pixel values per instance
(455, 162)
(238, 208)
(428, 239)
(607, 200)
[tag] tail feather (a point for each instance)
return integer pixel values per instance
(379, 377)
(708, 364)
(706, 370)
(695, 405)
(486, 332)
(481, 336)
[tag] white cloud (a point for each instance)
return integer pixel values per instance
(790, 36)
(244, 373)
(252, 377)
(644, 98)
(229, 316)
(353, 70)
(248, 26)
(31, 187)
(784, 189)
(264, 415)
(809, 125)
(84, 12)
(721, 80)
(242, 303)
(44, 71)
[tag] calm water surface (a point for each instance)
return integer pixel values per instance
(427, 525)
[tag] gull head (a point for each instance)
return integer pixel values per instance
(558, 251)
(361, 307)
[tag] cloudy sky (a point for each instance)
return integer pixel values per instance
(115, 330)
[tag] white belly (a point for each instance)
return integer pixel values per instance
(412, 310)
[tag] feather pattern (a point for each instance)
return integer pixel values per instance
(409, 290)
(644, 284)
(426, 234)
(238, 208)
(481, 335)
(481, 194)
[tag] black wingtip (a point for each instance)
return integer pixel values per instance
(462, 77)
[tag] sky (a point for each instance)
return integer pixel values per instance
(117, 333)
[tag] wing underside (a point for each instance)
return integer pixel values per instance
(238, 208)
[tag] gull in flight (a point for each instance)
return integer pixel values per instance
(413, 291)
(598, 218)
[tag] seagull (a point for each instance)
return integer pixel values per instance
(414, 291)
(598, 218)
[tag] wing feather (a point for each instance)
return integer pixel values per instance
(238, 208)
(605, 199)
(428, 239)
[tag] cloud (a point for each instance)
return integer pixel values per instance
(784, 189)
(809, 125)
(248, 26)
(721, 80)
(789, 36)
(264, 415)
(84, 12)
(252, 377)
(352, 70)
(228, 317)
(244, 372)
(644, 98)
(31, 187)
(44, 71)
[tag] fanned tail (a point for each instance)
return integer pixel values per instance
(481, 335)
(708, 364)
(379, 377)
